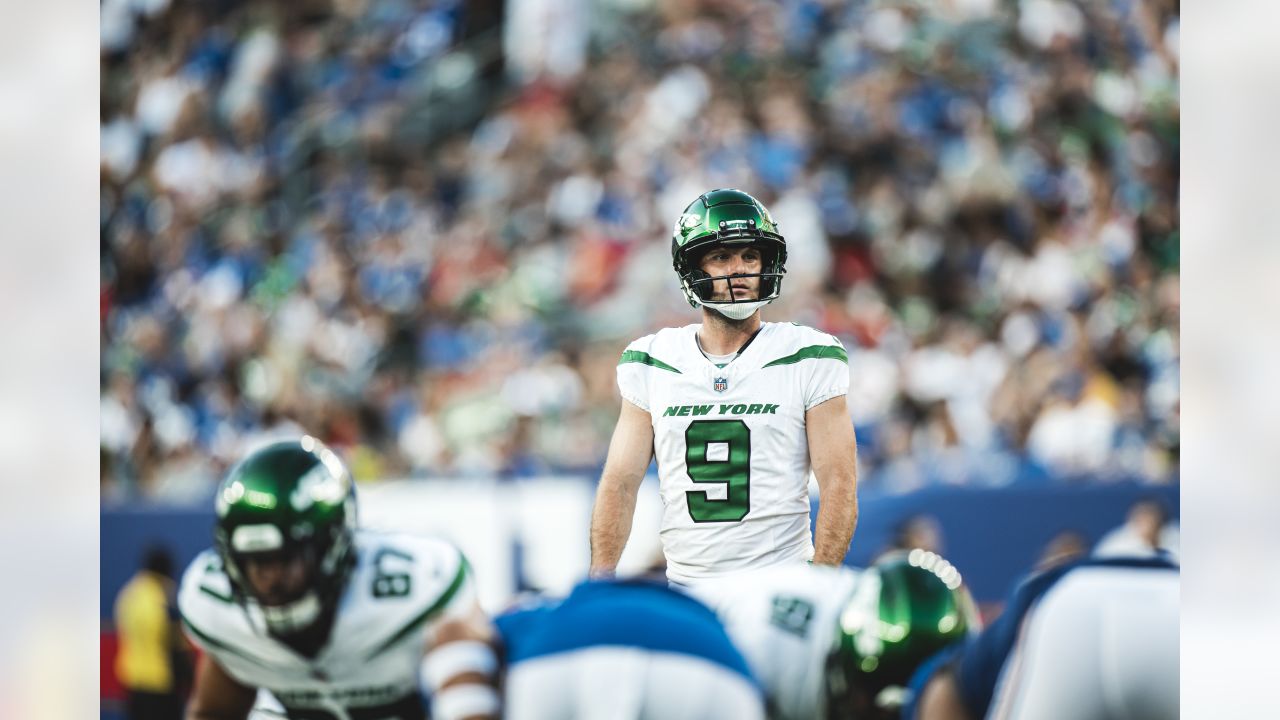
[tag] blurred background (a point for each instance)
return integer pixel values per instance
(424, 230)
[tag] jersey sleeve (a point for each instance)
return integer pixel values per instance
(827, 374)
(460, 597)
(204, 588)
(417, 582)
(633, 379)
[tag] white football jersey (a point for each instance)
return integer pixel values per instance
(733, 456)
(400, 587)
(784, 620)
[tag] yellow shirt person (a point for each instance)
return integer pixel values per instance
(148, 639)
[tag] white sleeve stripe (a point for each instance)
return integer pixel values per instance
(825, 396)
(462, 701)
(634, 400)
(452, 659)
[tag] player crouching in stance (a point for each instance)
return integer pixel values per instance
(623, 650)
(838, 642)
(337, 623)
(1093, 640)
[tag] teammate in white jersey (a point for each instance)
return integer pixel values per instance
(737, 412)
(839, 642)
(336, 623)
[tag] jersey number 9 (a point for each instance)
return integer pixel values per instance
(719, 451)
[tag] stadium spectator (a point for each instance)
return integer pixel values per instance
(1066, 546)
(340, 216)
(922, 532)
(1147, 530)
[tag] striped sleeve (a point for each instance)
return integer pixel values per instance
(635, 367)
(826, 373)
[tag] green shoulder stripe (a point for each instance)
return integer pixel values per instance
(629, 356)
(834, 352)
(425, 615)
(216, 595)
(209, 640)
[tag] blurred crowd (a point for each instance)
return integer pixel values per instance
(424, 230)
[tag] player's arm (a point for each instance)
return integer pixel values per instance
(629, 453)
(460, 668)
(217, 695)
(941, 699)
(833, 452)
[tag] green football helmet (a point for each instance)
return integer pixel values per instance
(908, 606)
(290, 499)
(731, 218)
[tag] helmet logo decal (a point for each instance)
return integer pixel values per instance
(688, 221)
(228, 497)
(317, 485)
(720, 384)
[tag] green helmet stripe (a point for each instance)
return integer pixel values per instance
(463, 569)
(644, 358)
(813, 352)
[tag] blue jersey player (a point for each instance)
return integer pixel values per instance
(625, 650)
(1096, 638)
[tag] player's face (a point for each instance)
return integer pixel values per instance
(276, 578)
(733, 261)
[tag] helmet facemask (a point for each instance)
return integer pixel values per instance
(325, 560)
(698, 286)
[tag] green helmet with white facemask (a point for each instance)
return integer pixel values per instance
(909, 606)
(727, 218)
(291, 499)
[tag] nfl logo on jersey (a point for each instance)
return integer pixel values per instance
(721, 384)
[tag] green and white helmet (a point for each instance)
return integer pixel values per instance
(297, 498)
(908, 606)
(727, 218)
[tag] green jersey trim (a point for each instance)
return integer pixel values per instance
(427, 614)
(644, 358)
(216, 595)
(833, 352)
(209, 640)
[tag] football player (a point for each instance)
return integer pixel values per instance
(841, 642)
(624, 650)
(737, 412)
(1096, 638)
(337, 623)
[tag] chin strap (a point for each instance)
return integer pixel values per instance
(736, 311)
